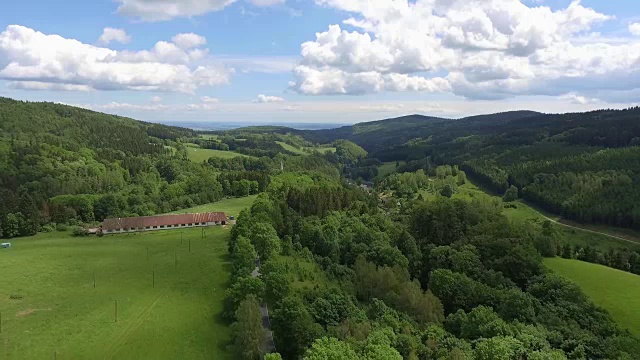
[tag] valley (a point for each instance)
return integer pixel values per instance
(403, 243)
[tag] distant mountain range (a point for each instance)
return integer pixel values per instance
(221, 126)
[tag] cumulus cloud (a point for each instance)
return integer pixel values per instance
(268, 99)
(31, 58)
(480, 49)
(111, 34)
(189, 40)
(635, 29)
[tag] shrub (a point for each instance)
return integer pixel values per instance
(80, 231)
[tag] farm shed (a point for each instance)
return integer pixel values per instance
(162, 222)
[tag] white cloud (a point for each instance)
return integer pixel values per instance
(111, 34)
(267, 2)
(209, 100)
(268, 99)
(156, 99)
(188, 41)
(30, 56)
(634, 29)
(577, 99)
(480, 49)
(36, 85)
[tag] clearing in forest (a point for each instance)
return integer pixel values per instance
(301, 151)
(199, 155)
(615, 290)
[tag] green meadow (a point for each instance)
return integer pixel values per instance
(387, 168)
(298, 151)
(615, 290)
(50, 307)
(519, 211)
(200, 155)
(169, 287)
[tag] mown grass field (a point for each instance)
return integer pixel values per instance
(50, 307)
(200, 155)
(229, 206)
(295, 150)
(616, 291)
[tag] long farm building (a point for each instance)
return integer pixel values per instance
(162, 222)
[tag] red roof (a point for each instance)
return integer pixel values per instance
(162, 220)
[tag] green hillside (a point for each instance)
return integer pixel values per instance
(615, 290)
(583, 166)
(65, 165)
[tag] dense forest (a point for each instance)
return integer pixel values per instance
(440, 279)
(584, 166)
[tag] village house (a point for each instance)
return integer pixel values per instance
(162, 222)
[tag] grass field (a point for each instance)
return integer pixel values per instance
(387, 168)
(295, 150)
(50, 308)
(616, 291)
(200, 155)
(229, 206)
(524, 212)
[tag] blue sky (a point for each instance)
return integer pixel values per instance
(320, 60)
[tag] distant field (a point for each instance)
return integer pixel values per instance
(291, 148)
(524, 212)
(50, 308)
(387, 168)
(229, 206)
(295, 150)
(616, 291)
(200, 155)
(208, 137)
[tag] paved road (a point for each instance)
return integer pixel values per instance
(270, 345)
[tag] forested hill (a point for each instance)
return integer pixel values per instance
(382, 134)
(75, 127)
(64, 166)
(584, 166)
